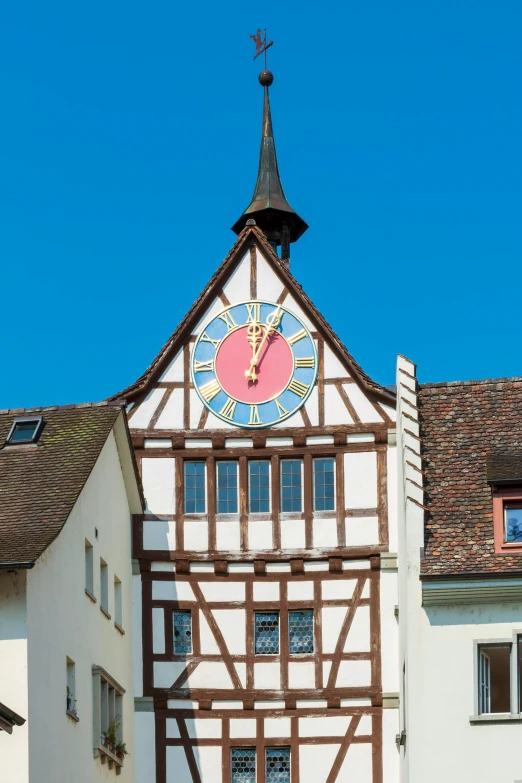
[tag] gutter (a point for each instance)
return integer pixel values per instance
(15, 567)
(9, 719)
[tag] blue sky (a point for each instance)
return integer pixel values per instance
(130, 136)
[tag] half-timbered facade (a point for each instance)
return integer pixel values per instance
(265, 579)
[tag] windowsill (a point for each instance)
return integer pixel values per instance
(497, 717)
(105, 612)
(72, 715)
(90, 595)
(119, 628)
(107, 756)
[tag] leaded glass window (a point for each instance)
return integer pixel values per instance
(324, 484)
(267, 633)
(182, 632)
(301, 632)
(226, 487)
(277, 765)
(243, 765)
(291, 485)
(258, 486)
(195, 488)
(512, 524)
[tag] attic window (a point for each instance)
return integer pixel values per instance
(25, 430)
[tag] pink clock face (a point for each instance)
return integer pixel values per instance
(274, 368)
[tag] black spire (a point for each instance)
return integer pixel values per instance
(269, 207)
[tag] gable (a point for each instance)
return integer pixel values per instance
(164, 399)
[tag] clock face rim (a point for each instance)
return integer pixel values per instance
(302, 401)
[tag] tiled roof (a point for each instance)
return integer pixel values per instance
(463, 425)
(39, 483)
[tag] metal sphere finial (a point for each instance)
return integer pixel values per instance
(266, 78)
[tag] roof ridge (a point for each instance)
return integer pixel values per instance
(481, 382)
(117, 403)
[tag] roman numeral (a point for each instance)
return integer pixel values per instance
(307, 361)
(255, 418)
(206, 339)
(254, 311)
(228, 409)
(204, 366)
(227, 318)
(209, 390)
(297, 336)
(298, 388)
(282, 411)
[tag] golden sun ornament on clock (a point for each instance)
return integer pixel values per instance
(254, 364)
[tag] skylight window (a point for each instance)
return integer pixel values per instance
(25, 430)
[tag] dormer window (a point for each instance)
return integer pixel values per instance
(504, 475)
(25, 430)
(513, 522)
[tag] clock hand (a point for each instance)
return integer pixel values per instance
(254, 333)
(272, 322)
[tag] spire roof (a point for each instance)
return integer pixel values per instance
(269, 206)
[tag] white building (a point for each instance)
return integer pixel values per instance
(265, 579)
(460, 567)
(68, 489)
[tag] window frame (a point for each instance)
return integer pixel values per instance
(269, 463)
(103, 682)
(104, 587)
(118, 603)
(316, 459)
(183, 655)
(185, 463)
(281, 462)
(257, 611)
(242, 748)
(515, 673)
(301, 654)
(25, 420)
(502, 498)
(227, 462)
(279, 748)
(89, 569)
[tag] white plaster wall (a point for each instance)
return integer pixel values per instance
(482, 753)
(335, 411)
(315, 764)
(358, 639)
(159, 485)
(159, 534)
(292, 533)
(362, 405)
(260, 534)
(62, 621)
(171, 417)
(390, 754)
(361, 531)
(175, 372)
(360, 479)
(231, 623)
(141, 418)
(357, 764)
(391, 464)
(237, 289)
(389, 632)
(145, 752)
(177, 766)
(333, 368)
(324, 532)
(228, 535)
(269, 286)
(14, 751)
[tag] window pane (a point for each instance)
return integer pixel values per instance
(512, 525)
(24, 431)
(495, 678)
(277, 765)
(259, 487)
(194, 488)
(324, 482)
(182, 632)
(243, 765)
(267, 633)
(226, 495)
(291, 485)
(301, 631)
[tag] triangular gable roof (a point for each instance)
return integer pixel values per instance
(250, 235)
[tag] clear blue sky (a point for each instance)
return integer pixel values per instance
(130, 134)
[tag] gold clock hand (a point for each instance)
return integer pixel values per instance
(272, 322)
(254, 333)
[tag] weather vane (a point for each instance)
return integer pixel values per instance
(261, 44)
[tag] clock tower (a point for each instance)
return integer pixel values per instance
(265, 577)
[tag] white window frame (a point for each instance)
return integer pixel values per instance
(260, 513)
(89, 569)
(205, 482)
(481, 689)
(290, 459)
(329, 510)
(104, 587)
(228, 514)
(118, 603)
(107, 702)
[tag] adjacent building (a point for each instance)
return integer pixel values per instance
(460, 575)
(265, 565)
(68, 490)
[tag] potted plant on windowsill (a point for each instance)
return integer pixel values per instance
(121, 750)
(110, 735)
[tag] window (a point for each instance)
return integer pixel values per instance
(195, 493)
(291, 485)
(108, 733)
(266, 633)
(301, 632)
(519, 667)
(259, 486)
(243, 765)
(89, 568)
(324, 484)
(277, 768)
(118, 606)
(25, 430)
(182, 632)
(226, 488)
(104, 586)
(70, 674)
(494, 678)
(513, 523)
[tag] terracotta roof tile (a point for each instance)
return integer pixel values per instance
(39, 483)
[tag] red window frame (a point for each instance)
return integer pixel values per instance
(501, 499)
